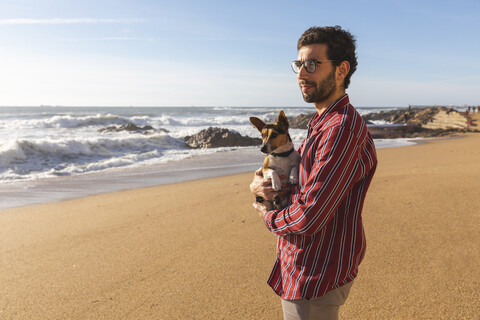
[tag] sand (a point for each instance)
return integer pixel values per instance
(198, 250)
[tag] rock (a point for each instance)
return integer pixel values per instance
(149, 128)
(219, 137)
(301, 121)
(108, 129)
(393, 131)
(130, 127)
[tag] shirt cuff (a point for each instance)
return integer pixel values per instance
(269, 218)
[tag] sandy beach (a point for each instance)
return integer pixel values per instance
(198, 250)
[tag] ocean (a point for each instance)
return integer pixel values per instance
(55, 153)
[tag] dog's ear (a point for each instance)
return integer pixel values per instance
(259, 124)
(282, 120)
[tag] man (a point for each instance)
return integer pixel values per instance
(321, 240)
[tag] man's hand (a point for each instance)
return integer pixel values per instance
(260, 209)
(263, 187)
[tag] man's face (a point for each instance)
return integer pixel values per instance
(320, 85)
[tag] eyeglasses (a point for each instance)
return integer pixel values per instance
(310, 65)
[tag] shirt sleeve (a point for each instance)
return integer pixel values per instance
(335, 170)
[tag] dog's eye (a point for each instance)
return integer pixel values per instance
(274, 135)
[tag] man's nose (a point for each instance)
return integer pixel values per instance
(302, 73)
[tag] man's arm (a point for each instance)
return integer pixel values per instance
(335, 170)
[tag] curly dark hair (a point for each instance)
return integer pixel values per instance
(340, 43)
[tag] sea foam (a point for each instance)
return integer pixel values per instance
(49, 142)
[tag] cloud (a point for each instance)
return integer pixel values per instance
(148, 39)
(66, 21)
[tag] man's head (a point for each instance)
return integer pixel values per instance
(340, 46)
(326, 61)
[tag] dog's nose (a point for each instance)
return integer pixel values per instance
(264, 148)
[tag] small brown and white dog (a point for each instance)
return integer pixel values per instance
(282, 160)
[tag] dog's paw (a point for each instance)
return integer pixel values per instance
(293, 180)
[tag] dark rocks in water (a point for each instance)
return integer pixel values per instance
(390, 131)
(130, 127)
(410, 131)
(301, 121)
(219, 137)
(402, 131)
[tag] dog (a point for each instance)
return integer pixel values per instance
(282, 160)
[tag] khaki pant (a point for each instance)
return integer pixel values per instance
(324, 307)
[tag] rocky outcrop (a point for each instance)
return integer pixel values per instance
(417, 122)
(219, 137)
(446, 119)
(301, 121)
(130, 127)
(428, 118)
(407, 122)
(408, 131)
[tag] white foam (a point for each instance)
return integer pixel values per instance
(37, 143)
(65, 121)
(11, 151)
(394, 143)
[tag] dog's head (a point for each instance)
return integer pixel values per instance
(274, 134)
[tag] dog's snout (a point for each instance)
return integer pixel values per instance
(264, 148)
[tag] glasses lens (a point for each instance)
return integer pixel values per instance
(296, 65)
(310, 66)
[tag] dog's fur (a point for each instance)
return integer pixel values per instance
(282, 160)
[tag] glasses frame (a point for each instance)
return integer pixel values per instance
(296, 69)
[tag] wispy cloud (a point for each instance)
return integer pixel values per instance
(67, 21)
(110, 39)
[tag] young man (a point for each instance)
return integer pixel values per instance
(321, 241)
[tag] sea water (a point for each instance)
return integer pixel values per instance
(50, 151)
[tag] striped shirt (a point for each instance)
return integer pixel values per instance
(321, 238)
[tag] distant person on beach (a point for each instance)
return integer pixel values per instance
(405, 117)
(321, 240)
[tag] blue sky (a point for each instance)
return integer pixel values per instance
(230, 53)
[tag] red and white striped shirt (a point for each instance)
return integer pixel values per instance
(321, 238)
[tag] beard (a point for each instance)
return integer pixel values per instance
(323, 90)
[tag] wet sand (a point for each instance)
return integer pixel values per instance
(198, 250)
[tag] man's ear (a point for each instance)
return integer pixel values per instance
(342, 71)
(282, 121)
(259, 124)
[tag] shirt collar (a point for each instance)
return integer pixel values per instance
(317, 119)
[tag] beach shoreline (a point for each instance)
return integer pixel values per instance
(63, 153)
(44, 147)
(24, 193)
(224, 162)
(198, 250)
